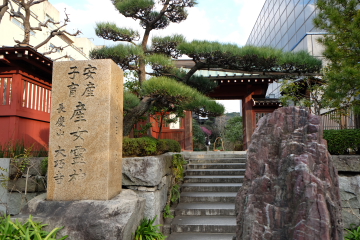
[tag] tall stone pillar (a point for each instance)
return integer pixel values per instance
(85, 152)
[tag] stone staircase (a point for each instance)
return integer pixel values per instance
(207, 203)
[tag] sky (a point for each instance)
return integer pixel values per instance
(226, 21)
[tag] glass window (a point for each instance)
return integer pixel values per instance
(297, 9)
(300, 20)
(292, 42)
(282, 6)
(284, 40)
(277, 37)
(309, 25)
(291, 17)
(292, 30)
(300, 33)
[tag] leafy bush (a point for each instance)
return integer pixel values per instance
(341, 141)
(16, 148)
(147, 146)
(148, 231)
(167, 212)
(353, 233)
(175, 193)
(29, 230)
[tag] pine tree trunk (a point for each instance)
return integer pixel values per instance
(131, 118)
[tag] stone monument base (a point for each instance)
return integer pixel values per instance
(113, 219)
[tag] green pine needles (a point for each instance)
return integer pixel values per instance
(341, 20)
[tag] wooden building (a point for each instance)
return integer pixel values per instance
(25, 97)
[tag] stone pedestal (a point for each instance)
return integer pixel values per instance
(85, 151)
(115, 219)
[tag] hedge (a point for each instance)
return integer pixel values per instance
(147, 146)
(341, 141)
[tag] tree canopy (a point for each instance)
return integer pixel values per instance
(341, 19)
(137, 51)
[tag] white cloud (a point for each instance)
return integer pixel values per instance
(248, 14)
(196, 26)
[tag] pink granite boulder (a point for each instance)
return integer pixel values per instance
(291, 188)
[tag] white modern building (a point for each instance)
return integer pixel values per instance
(288, 25)
(11, 28)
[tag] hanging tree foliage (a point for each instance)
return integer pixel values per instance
(135, 54)
(165, 91)
(341, 19)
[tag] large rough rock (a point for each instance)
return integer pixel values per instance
(146, 171)
(114, 219)
(291, 189)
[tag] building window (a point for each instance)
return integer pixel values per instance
(20, 25)
(53, 46)
(50, 24)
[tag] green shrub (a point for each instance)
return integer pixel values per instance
(174, 145)
(167, 212)
(29, 230)
(147, 146)
(353, 233)
(341, 141)
(16, 148)
(163, 146)
(148, 231)
(175, 193)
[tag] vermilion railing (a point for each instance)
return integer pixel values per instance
(36, 97)
(5, 90)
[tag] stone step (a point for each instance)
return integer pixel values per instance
(226, 154)
(211, 187)
(216, 166)
(214, 179)
(207, 172)
(201, 236)
(205, 209)
(225, 197)
(217, 160)
(204, 224)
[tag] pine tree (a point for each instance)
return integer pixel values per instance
(135, 53)
(341, 19)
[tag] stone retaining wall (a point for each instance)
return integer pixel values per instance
(149, 177)
(348, 167)
(14, 194)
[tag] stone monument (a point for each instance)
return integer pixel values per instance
(85, 150)
(291, 187)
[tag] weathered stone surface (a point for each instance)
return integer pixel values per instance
(155, 201)
(146, 171)
(4, 164)
(291, 188)
(86, 131)
(114, 219)
(33, 184)
(346, 163)
(350, 196)
(16, 201)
